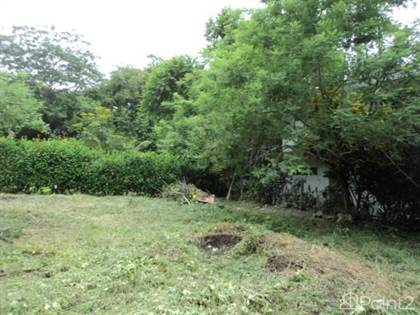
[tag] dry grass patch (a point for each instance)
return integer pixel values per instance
(334, 272)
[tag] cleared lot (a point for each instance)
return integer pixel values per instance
(132, 255)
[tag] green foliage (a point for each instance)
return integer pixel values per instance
(124, 89)
(267, 184)
(19, 109)
(250, 243)
(223, 25)
(61, 165)
(165, 79)
(336, 78)
(57, 59)
(141, 173)
(59, 67)
(65, 166)
(61, 109)
(45, 190)
(96, 129)
(184, 134)
(294, 83)
(122, 93)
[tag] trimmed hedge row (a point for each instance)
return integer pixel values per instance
(68, 166)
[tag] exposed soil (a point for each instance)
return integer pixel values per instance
(279, 263)
(219, 243)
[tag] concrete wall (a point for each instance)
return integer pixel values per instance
(315, 183)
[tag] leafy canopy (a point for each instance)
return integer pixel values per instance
(57, 59)
(19, 109)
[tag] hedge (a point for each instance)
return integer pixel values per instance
(68, 166)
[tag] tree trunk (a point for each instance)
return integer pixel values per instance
(241, 181)
(346, 192)
(230, 187)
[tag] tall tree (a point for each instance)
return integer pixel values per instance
(59, 67)
(166, 79)
(122, 93)
(60, 60)
(222, 26)
(337, 77)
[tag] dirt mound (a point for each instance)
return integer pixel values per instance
(336, 273)
(219, 243)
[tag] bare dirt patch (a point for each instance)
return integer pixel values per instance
(219, 243)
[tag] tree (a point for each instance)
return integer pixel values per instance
(337, 77)
(59, 66)
(183, 135)
(60, 60)
(122, 93)
(166, 79)
(222, 27)
(19, 109)
(345, 74)
(96, 129)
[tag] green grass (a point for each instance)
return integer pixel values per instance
(131, 255)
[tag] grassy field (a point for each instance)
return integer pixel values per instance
(132, 255)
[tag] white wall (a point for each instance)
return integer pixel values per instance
(315, 183)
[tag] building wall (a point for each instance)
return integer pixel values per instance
(318, 181)
(315, 183)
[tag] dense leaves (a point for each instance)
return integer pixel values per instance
(19, 109)
(122, 94)
(57, 59)
(66, 166)
(58, 68)
(279, 89)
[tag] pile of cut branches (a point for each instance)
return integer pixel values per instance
(186, 193)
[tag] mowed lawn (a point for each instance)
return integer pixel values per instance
(133, 255)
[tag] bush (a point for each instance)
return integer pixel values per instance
(388, 189)
(141, 173)
(267, 184)
(66, 166)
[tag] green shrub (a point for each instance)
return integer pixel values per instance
(11, 162)
(142, 173)
(66, 166)
(61, 165)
